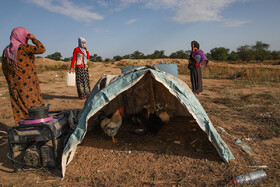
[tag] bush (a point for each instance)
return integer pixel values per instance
(55, 56)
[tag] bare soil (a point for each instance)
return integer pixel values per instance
(179, 155)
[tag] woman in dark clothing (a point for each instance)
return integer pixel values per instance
(19, 70)
(195, 69)
(79, 60)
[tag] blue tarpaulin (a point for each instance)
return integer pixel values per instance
(184, 103)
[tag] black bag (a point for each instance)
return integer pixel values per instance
(191, 65)
(191, 62)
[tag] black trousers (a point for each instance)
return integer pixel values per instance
(196, 79)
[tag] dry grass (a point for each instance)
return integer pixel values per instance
(42, 68)
(254, 103)
(254, 75)
(244, 106)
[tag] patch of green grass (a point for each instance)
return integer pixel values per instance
(275, 130)
(81, 178)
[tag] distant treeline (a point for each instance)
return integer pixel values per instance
(246, 53)
(58, 57)
(258, 52)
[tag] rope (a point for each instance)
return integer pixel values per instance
(1, 137)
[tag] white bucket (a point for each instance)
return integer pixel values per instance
(70, 79)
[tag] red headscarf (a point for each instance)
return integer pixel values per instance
(18, 36)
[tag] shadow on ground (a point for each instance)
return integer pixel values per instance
(50, 97)
(181, 137)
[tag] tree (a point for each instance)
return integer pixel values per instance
(261, 51)
(157, 54)
(233, 56)
(275, 55)
(137, 55)
(95, 58)
(117, 58)
(180, 54)
(219, 54)
(0, 59)
(66, 59)
(126, 57)
(98, 59)
(208, 55)
(55, 56)
(245, 53)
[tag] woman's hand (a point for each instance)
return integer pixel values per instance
(86, 48)
(30, 36)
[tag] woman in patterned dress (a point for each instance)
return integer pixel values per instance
(80, 57)
(19, 70)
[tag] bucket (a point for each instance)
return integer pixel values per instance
(70, 79)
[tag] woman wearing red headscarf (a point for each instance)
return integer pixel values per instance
(19, 69)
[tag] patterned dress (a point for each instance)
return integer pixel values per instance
(82, 82)
(22, 79)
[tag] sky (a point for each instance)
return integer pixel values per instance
(120, 27)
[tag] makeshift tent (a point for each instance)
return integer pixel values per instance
(132, 90)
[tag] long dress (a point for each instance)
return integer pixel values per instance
(196, 79)
(22, 79)
(195, 74)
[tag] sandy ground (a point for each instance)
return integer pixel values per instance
(179, 155)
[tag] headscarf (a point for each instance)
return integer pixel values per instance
(18, 36)
(82, 47)
(195, 44)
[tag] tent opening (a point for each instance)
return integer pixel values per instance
(182, 136)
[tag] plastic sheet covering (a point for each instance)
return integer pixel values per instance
(111, 91)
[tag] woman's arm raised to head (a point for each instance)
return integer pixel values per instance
(39, 48)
